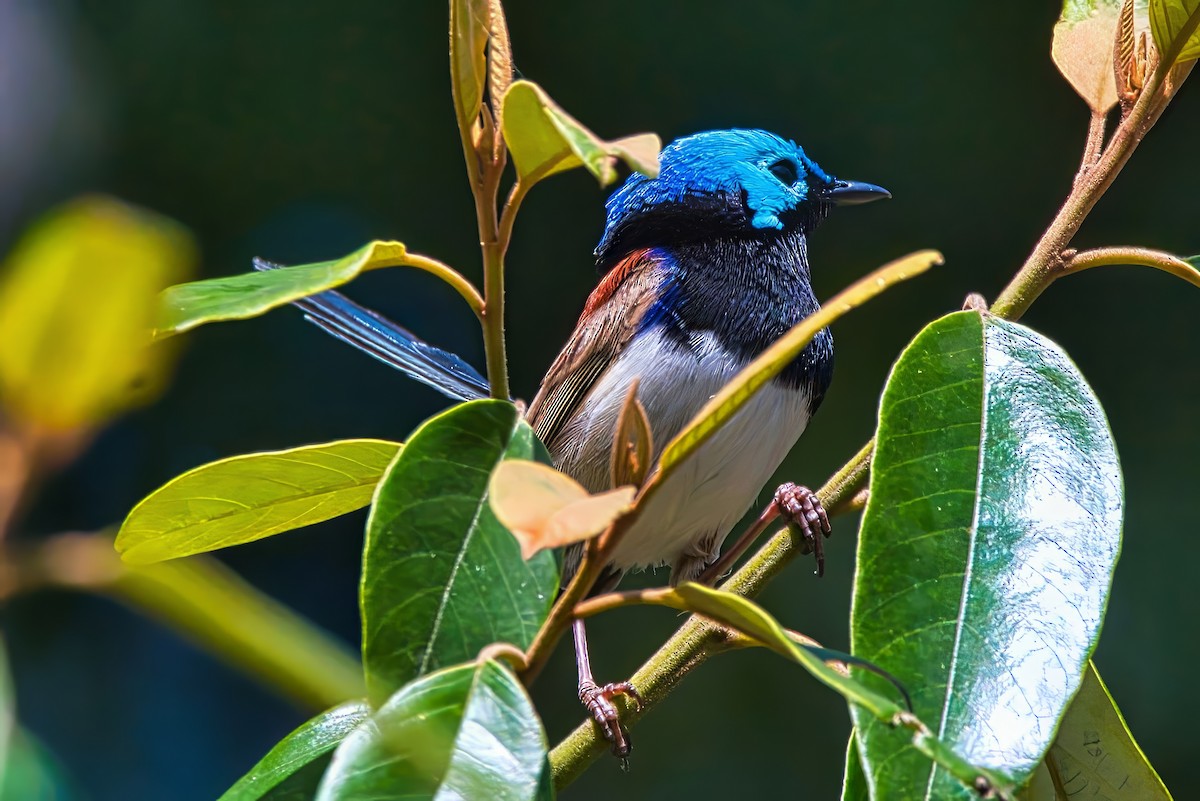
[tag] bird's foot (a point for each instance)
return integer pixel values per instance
(804, 512)
(599, 703)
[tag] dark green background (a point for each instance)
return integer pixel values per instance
(298, 131)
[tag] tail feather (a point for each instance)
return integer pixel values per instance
(390, 343)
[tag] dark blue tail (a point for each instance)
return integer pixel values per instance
(390, 343)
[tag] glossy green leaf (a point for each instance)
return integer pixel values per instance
(1094, 754)
(467, 732)
(441, 577)
(1082, 49)
(247, 498)
(1170, 20)
(987, 548)
(77, 299)
(771, 362)
(854, 780)
(544, 139)
(238, 297)
(292, 769)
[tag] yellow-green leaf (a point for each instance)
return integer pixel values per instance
(1082, 49)
(774, 359)
(544, 139)
(469, 26)
(1170, 22)
(544, 508)
(77, 299)
(1094, 754)
(246, 498)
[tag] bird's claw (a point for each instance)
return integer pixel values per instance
(804, 512)
(599, 703)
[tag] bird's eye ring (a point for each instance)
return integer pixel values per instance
(785, 171)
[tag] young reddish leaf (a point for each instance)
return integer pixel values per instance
(633, 445)
(1082, 50)
(544, 508)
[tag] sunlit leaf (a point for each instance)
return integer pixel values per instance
(237, 297)
(1094, 754)
(741, 388)
(469, 25)
(500, 58)
(466, 732)
(249, 497)
(442, 578)
(293, 768)
(545, 508)
(77, 300)
(1170, 20)
(633, 444)
(986, 551)
(544, 140)
(1082, 49)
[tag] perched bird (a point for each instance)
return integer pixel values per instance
(703, 267)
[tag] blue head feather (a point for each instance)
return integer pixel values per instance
(764, 175)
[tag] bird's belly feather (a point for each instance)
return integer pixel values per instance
(705, 497)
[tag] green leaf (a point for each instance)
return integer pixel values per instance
(1094, 754)
(854, 780)
(247, 498)
(470, 21)
(1171, 20)
(77, 299)
(987, 548)
(441, 577)
(464, 732)
(741, 388)
(31, 773)
(544, 139)
(293, 768)
(1082, 49)
(238, 297)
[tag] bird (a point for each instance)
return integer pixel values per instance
(702, 267)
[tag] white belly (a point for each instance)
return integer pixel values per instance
(706, 496)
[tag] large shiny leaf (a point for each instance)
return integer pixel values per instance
(247, 498)
(1170, 20)
(987, 548)
(1082, 49)
(77, 300)
(466, 732)
(1094, 754)
(441, 577)
(292, 769)
(544, 139)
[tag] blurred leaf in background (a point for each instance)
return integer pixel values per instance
(77, 298)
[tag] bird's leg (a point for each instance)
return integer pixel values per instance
(802, 509)
(599, 700)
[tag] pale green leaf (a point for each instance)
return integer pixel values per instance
(1170, 21)
(77, 300)
(1094, 754)
(245, 498)
(469, 26)
(544, 139)
(734, 395)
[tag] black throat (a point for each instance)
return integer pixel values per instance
(747, 289)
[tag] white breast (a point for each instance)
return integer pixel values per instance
(705, 497)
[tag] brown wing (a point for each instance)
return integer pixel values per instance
(609, 320)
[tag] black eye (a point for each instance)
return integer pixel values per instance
(785, 171)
